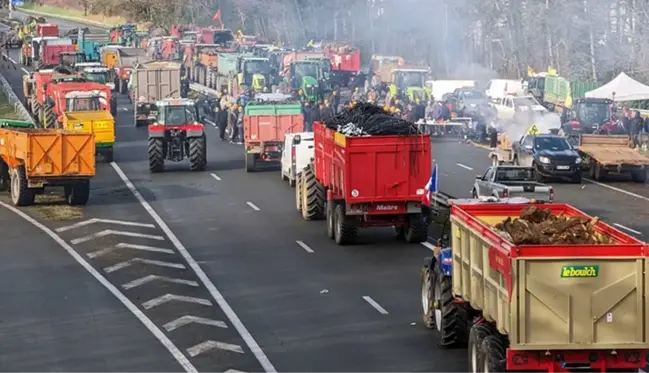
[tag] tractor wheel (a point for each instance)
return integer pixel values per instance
(450, 317)
(197, 153)
(493, 354)
(427, 296)
(313, 196)
(345, 229)
(21, 195)
(35, 107)
(156, 155)
(298, 192)
(479, 331)
(49, 120)
(417, 229)
(77, 194)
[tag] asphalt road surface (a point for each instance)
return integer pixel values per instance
(306, 303)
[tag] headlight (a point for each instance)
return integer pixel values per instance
(545, 160)
(578, 160)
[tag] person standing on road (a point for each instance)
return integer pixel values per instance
(316, 114)
(326, 113)
(307, 112)
(222, 120)
(636, 125)
(335, 101)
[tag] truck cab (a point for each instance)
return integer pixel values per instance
(253, 72)
(71, 59)
(410, 83)
(297, 153)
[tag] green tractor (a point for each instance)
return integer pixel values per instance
(326, 84)
(409, 83)
(307, 75)
(253, 72)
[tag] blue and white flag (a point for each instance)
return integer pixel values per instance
(431, 187)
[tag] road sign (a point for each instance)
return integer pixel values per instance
(533, 131)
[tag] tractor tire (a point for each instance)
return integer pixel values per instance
(197, 153)
(479, 331)
(298, 193)
(346, 229)
(452, 325)
(313, 196)
(35, 107)
(417, 230)
(427, 297)
(156, 155)
(77, 194)
(49, 117)
(493, 354)
(251, 162)
(21, 195)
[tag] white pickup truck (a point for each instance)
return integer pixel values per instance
(510, 108)
(297, 153)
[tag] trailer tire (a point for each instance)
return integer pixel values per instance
(576, 177)
(639, 176)
(599, 173)
(5, 179)
(346, 229)
(331, 221)
(313, 197)
(451, 318)
(298, 192)
(21, 195)
(493, 354)
(479, 331)
(113, 106)
(77, 194)
(416, 230)
(251, 161)
(197, 153)
(427, 297)
(156, 154)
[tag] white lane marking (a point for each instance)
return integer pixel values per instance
(210, 345)
(107, 221)
(428, 245)
(463, 166)
(216, 294)
(128, 263)
(377, 306)
(618, 189)
(123, 245)
(149, 278)
(234, 371)
(24, 70)
(157, 333)
(178, 298)
(304, 246)
(108, 232)
(215, 176)
(627, 228)
(253, 206)
(187, 319)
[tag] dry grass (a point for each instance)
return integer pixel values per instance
(67, 12)
(53, 207)
(7, 111)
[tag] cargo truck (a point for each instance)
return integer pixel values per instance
(126, 58)
(153, 81)
(551, 308)
(32, 159)
(345, 62)
(557, 93)
(368, 181)
(264, 128)
(610, 154)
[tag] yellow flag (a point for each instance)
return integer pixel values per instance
(552, 71)
(530, 71)
(310, 43)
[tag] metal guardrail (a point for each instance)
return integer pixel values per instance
(14, 100)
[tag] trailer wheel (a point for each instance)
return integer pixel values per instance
(77, 194)
(427, 297)
(331, 220)
(599, 173)
(156, 155)
(108, 154)
(298, 192)
(479, 331)
(639, 176)
(576, 177)
(416, 230)
(493, 350)
(197, 153)
(251, 161)
(346, 229)
(5, 179)
(313, 198)
(450, 317)
(21, 195)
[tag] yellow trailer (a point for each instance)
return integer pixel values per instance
(552, 308)
(100, 123)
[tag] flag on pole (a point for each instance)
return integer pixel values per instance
(217, 16)
(430, 188)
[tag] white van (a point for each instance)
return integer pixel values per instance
(497, 89)
(297, 153)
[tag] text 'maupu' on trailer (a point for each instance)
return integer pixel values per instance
(554, 308)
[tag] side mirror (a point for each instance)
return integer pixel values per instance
(478, 177)
(529, 147)
(297, 140)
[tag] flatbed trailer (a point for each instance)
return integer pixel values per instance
(369, 181)
(604, 154)
(34, 158)
(553, 308)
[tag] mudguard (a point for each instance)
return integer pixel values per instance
(445, 259)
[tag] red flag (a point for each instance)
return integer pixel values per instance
(217, 16)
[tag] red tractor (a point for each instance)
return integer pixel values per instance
(75, 94)
(35, 88)
(177, 134)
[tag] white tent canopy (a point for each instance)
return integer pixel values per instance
(622, 88)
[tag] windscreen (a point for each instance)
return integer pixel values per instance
(98, 77)
(515, 174)
(307, 69)
(257, 67)
(593, 113)
(84, 104)
(472, 95)
(177, 115)
(551, 143)
(525, 101)
(406, 79)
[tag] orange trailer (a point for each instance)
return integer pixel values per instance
(33, 158)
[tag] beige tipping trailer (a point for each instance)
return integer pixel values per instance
(604, 154)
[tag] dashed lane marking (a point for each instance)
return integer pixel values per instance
(173, 297)
(107, 221)
(304, 246)
(377, 306)
(233, 371)
(187, 319)
(108, 232)
(627, 228)
(210, 345)
(216, 177)
(428, 245)
(260, 355)
(157, 333)
(123, 245)
(464, 166)
(128, 263)
(150, 278)
(253, 206)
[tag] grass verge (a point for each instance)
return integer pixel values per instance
(74, 13)
(6, 109)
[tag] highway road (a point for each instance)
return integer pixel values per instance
(288, 298)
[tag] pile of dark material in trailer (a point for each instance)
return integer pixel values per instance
(537, 226)
(370, 120)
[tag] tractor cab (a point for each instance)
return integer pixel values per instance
(98, 74)
(253, 72)
(176, 112)
(409, 83)
(589, 115)
(71, 59)
(84, 101)
(189, 36)
(325, 62)
(305, 75)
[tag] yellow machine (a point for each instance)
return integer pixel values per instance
(100, 123)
